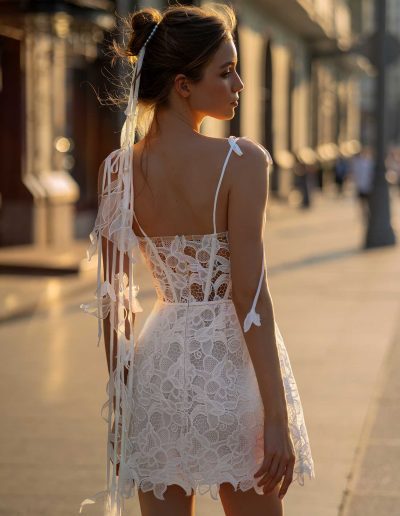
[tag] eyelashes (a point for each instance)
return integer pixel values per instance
(227, 73)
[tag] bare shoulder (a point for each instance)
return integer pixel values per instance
(248, 197)
(254, 150)
(250, 170)
(253, 154)
(250, 148)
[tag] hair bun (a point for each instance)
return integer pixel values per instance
(141, 24)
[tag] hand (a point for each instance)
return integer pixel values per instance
(279, 457)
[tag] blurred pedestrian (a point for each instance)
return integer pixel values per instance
(362, 173)
(303, 182)
(316, 173)
(341, 170)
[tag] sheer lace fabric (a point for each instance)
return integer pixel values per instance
(199, 417)
(189, 268)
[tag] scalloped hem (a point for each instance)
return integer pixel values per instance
(199, 488)
(202, 488)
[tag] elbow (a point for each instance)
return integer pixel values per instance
(243, 301)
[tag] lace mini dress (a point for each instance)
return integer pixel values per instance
(197, 417)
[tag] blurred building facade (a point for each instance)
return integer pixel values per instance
(313, 99)
(56, 131)
(393, 108)
(364, 26)
(301, 100)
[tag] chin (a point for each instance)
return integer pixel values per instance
(224, 116)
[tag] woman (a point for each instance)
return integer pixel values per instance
(202, 404)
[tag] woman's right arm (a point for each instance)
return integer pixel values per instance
(248, 197)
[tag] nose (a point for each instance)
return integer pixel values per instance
(240, 85)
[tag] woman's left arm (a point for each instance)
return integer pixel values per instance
(105, 243)
(107, 247)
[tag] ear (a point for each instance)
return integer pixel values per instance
(182, 85)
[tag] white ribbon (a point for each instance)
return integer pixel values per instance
(118, 293)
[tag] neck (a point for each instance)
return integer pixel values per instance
(170, 124)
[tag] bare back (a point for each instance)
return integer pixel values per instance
(174, 191)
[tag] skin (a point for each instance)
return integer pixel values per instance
(168, 153)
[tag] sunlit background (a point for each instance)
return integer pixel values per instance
(322, 95)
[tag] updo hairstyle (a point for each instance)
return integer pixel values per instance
(184, 42)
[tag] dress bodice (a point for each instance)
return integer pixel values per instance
(196, 269)
(189, 268)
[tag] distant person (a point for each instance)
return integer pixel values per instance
(303, 182)
(317, 176)
(362, 172)
(341, 170)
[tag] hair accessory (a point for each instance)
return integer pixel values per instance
(128, 129)
(116, 298)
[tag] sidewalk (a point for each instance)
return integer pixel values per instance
(339, 330)
(338, 310)
(374, 483)
(32, 277)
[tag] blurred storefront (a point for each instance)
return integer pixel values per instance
(53, 128)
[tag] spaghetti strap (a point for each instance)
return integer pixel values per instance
(233, 147)
(252, 316)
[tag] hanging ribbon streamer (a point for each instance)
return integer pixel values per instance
(116, 299)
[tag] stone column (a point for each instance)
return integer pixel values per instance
(53, 189)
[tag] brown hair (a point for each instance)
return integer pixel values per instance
(184, 42)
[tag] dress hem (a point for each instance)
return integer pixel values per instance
(199, 488)
(202, 488)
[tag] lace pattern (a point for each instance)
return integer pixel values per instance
(182, 270)
(199, 417)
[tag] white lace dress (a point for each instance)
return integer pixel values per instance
(198, 417)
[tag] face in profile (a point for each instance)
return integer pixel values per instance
(215, 93)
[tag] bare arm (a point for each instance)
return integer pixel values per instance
(247, 204)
